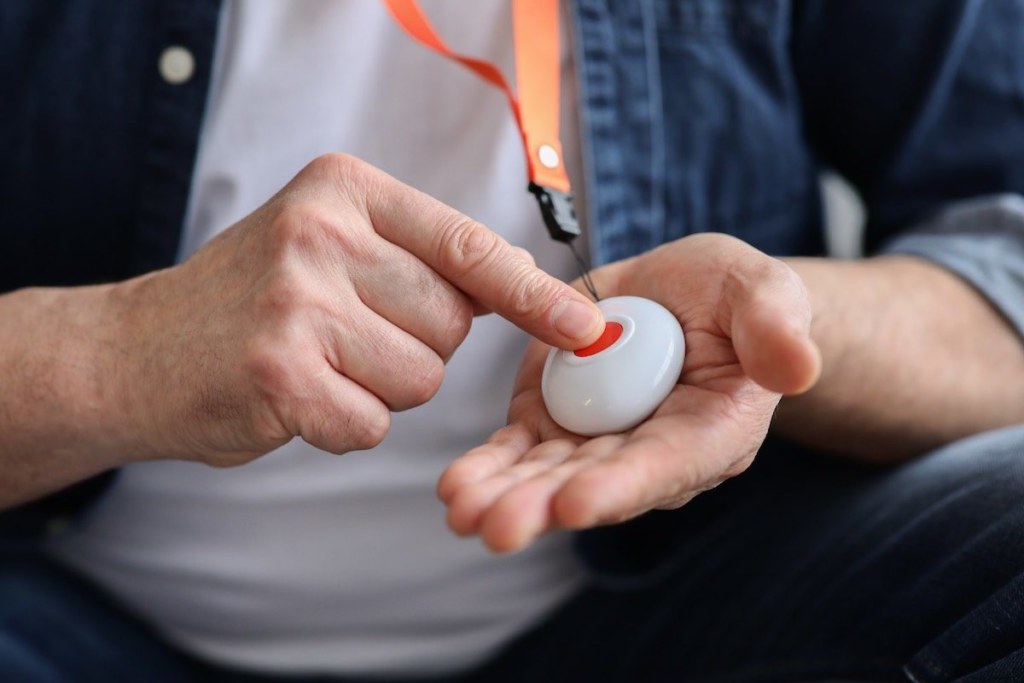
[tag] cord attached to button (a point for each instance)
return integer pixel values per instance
(560, 219)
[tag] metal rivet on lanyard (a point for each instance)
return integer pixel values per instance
(535, 26)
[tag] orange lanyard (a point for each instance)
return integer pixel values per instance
(535, 35)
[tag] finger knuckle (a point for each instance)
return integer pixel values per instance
(464, 245)
(426, 381)
(268, 371)
(797, 286)
(449, 311)
(368, 429)
(457, 321)
(529, 294)
(344, 177)
(301, 227)
(524, 255)
(763, 276)
(310, 237)
(283, 294)
(317, 427)
(745, 277)
(334, 165)
(779, 273)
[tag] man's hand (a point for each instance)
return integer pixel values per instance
(746, 320)
(335, 303)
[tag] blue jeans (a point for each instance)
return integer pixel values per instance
(802, 569)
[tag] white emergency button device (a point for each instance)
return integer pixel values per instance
(619, 380)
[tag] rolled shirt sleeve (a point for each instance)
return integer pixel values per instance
(982, 241)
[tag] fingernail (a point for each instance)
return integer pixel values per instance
(575, 319)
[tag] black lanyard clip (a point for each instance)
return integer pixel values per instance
(558, 212)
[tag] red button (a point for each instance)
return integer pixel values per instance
(612, 331)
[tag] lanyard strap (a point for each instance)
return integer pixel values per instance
(535, 35)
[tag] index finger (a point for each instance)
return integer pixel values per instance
(483, 265)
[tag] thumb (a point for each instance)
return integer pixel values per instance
(770, 328)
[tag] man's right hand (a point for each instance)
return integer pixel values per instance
(333, 304)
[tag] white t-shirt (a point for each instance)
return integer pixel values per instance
(302, 561)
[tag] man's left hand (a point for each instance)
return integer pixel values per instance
(746, 320)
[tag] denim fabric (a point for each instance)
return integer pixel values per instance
(98, 154)
(98, 149)
(718, 114)
(56, 628)
(982, 240)
(801, 570)
(697, 115)
(692, 122)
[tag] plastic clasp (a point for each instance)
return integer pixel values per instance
(558, 212)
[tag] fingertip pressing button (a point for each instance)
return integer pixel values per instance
(614, 384)
(611, 334)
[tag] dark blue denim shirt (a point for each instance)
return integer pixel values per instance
(698, 115)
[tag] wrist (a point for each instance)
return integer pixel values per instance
(834, 332)
(58, 417)
(91, 369)
(130, 379)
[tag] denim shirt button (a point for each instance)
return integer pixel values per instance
(176, 65)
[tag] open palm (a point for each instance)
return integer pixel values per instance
(746, 320)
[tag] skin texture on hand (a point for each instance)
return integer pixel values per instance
(332, 305)
(746, 319)
(915, 358)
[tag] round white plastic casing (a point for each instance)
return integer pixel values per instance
(615, 388)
